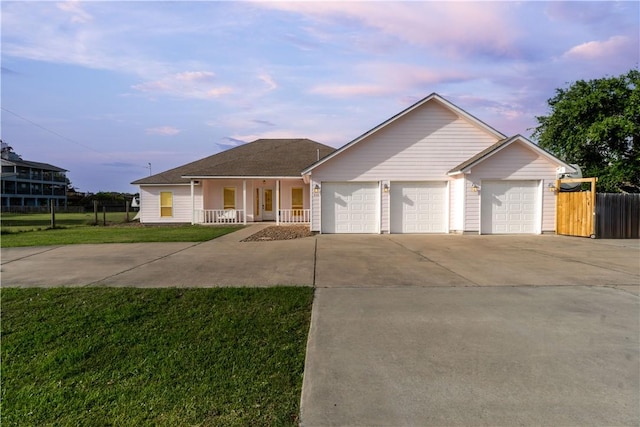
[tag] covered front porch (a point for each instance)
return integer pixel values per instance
(242, 201)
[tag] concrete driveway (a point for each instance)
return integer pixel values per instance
(414, 329)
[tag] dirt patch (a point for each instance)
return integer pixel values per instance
(280, 232)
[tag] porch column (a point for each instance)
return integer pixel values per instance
(244, 201)
(277, 202)
(193, 203)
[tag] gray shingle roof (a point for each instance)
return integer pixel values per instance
(36, 165)
(260, 158)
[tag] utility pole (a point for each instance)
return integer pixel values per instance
(149, 169)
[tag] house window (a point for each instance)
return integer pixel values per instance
(166, 204)
(229, 198)
(296, 198)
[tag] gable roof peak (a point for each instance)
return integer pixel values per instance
(431, 97)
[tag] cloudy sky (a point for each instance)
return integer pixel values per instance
(105, 88)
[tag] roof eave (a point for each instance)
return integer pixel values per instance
(241, 177)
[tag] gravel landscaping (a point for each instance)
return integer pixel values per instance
(280, 232)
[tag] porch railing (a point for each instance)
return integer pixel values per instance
(219, 216)
(295, 216)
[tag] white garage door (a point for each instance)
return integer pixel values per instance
(350, 207)
(509, 207)
(418, 207)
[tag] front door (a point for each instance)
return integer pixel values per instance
(268, 213)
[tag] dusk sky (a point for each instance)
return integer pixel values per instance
(105, 88)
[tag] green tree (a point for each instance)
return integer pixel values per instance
(596, 124)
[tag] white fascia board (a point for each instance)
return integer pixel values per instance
(240, 177)
(185, 184)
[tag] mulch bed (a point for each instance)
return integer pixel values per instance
(280, 232)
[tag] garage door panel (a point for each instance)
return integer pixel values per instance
(350, 207)
(418, 207)
(509, 207)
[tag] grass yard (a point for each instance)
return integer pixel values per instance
(115, 234)
(170, 357)
(77, 228)
(12, 223)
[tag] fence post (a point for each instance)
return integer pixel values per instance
(104, 215)
(126, 207)
(53, 213)
(95, 212)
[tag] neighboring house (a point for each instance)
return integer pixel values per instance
(432, 168)
(31, 184)
(258, 181)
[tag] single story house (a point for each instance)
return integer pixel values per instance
(432, 168)
(258, 181)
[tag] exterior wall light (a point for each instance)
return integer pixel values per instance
(551, 187)
(385, 188)
(475, 188)
(316, 189)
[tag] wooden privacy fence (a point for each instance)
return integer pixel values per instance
(603, 215)
(617, 216)
(576, 211)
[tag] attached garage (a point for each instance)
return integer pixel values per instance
(510, 207)
(350, 207)
(418, 207)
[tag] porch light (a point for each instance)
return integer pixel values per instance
(475, 188)
(316, 189)
(385, 188)
(551, 187)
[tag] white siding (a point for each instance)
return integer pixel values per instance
(316, 206)
(150, 203)
(515, 162)
(456, 205)
(420, 146)
(385, 208)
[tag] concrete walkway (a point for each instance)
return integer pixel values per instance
(414, 329)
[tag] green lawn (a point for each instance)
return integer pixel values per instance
(77, 228)
(169, 357)
(115, 234)
(27, 222)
